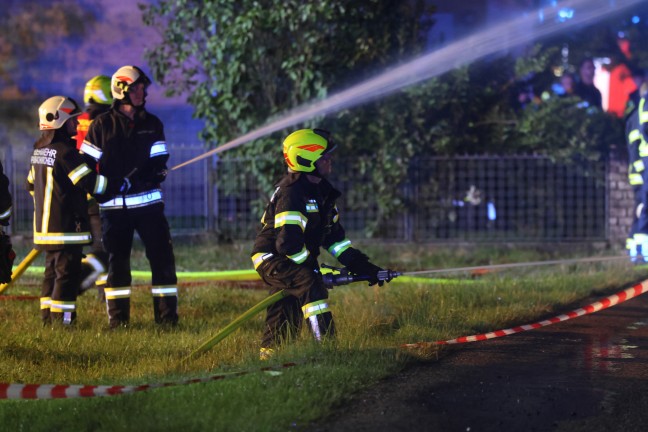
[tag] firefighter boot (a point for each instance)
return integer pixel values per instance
(118, 308)
(63, 318)
(165, 309)
(320, 319)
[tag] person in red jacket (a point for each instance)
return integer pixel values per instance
(59, 180)
(97, 99)
(302, 217)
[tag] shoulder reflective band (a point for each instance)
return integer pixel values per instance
(164, 291)
(258, 258)
(117, 293)
(134, 201)
(315, 308)
(301, 256)
(62, 238)
(337, 248)
(90, 150)
(78, 173)
(290, 218)
(159, 148)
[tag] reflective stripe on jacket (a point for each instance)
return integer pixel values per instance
(124, 147)
(60, 180)
(300, 218)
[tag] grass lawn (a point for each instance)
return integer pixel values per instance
(372, 323)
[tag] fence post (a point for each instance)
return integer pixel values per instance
(212, 198)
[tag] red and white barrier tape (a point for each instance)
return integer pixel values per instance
(607, 302)
(18, 297)
(52, 391)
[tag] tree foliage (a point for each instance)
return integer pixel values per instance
(245, 63)
(29, 30)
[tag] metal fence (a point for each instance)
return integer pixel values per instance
(470, 198)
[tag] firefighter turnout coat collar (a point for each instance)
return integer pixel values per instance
(59, 180)
(135, 148)
(300, 218)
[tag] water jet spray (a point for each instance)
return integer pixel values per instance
(502, 37)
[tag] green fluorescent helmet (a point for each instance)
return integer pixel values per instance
(304, 147)
(97, 90)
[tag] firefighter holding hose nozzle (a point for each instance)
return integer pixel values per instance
(301, 217)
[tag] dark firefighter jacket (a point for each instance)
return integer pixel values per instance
(59, 179)
(636, 149)
(300, 218)
(125, 148)
(5, 198)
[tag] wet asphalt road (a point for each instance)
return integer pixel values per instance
(586, 374)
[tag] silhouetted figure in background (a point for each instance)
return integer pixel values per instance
(585, 88)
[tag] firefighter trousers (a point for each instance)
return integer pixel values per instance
(61, 284)
(95, 264)
(119, 227)
(307, 300)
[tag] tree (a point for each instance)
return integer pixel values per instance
(245, 63)
(28, 31)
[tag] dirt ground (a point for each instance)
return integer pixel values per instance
(585, 374)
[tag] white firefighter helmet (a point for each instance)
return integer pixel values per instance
(124, 78)
(55, 111)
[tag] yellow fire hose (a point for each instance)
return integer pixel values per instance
(235, 324)
(31, 256)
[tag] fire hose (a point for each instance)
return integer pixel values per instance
(24, 264)
(329, 279)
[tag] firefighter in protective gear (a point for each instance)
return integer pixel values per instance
(300, 218)
(97, 99)
(640, 118)
(129, 141)
(59, 179)
(636, 146)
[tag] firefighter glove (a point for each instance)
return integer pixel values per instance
(7, 256)
(366, 268)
